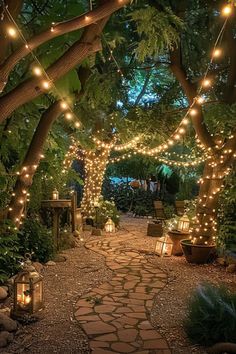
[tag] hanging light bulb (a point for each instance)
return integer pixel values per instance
(226, 11)
(37, 71)
(46, 84)
(206, 83)
(12, 32)
(217, 53)
(68, 115)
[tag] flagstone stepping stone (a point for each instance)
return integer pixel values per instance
(119, 322)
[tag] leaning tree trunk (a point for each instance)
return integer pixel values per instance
(31, 161)
(95, 163)
(211, 184)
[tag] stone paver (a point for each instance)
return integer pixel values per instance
(114, 315)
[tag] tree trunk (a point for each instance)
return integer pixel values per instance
(211, 184)
(30, 164)
(95, 163)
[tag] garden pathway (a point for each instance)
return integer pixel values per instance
(115, 315)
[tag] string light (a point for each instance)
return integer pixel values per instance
(38, 70)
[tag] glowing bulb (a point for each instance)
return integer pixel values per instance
(12, 32)
(206, 83)
(46, 84)
(64, 105)
(68, 115)
(77, 124)
(37, 71)
(226, 11)
(217, 53)
(193, 112)
(200, 99)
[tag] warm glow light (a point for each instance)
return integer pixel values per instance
(68, 115)
(193, 112)
(217, 53)
(37, 71)
(46, 85)
(64, 105)
(206, 83)
(12, 32)
(200, 100)
(77, 124)
(226, 11)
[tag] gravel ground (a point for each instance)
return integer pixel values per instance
(170, 306)
(58, 331)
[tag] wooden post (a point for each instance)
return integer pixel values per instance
(73, 211)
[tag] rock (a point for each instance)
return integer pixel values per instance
(220, 260)
(7, 324)
(6, 311)
(5, 338)
(59, 258)
(38, 266)
(50, 263)
(3, 293)
(231, 268)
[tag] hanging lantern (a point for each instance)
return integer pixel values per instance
(183, 223)
(110, 226)
(164, 246)
(28, 291)
(55, 194)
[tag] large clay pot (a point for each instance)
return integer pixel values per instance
(197, 253)
(177, 236)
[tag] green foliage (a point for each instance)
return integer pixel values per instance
(158, 31)
(107, 209)
(211, 316)
(9, 251)
(227, 230)
(37, 239)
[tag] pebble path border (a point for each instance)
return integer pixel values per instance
(115, 315)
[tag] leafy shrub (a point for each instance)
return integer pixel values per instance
(212, 316)
(107, 209)
(37, 239)
(9, 251)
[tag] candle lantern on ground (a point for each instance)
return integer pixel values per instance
(55, 194)
(96, 231)
(164, 246)
(28, 291)
(183, 224)
(110, 226)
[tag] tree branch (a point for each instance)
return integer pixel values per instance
(104, 10)
(30, 89)
(143, 90)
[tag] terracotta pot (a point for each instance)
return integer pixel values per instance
(197, 253)
(177, 236)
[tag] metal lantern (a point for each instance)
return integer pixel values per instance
(110, 226)
(164, 246)
(28, 290)
(183, 223)
(55, 195)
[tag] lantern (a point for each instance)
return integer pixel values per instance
(110, 226)
(55, 194)
(28, 291)
(164, 246)
(183, 224)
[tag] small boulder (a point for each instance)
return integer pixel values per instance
(7, 324)
(50, 263)
(3, 293)
(59, 258)
(38, 266)
(231, 268)
(5, 338)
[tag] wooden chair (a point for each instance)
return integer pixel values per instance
(159, 210)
